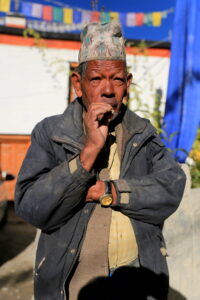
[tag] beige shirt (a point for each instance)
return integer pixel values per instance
(122, 247)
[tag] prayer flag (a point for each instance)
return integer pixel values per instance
(35, 25)
(29, 23)
(16, 22)
(156, 18)
(42, 25)
(164, 14)
(148, 19)
(122, 18)
(47, 13)
(4, 5)
(57, 14)
(2, 21)
(48, 26)
(68, 15)
(77, 16)
(36, 10)
(130, 19)
(139, 19)
(105, 17)
(114, 16)
(95, 16)
(86, 16)
(26, 9)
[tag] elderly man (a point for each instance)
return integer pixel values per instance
(99, 184)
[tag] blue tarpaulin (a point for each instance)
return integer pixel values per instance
(182, 115)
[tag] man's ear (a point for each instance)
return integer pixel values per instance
(76, 81)
(129, 80)
(128, 83)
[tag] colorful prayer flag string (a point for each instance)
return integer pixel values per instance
(79, 17)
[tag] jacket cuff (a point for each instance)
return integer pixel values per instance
(77, 170)
(123, 191)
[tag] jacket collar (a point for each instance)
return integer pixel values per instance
(132, 122)
(70, 129)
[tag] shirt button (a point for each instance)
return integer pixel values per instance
(86, 211)
(72, 251)
(163, 251)
(61, 292)
(135, 144)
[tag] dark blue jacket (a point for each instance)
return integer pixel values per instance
(51, 198)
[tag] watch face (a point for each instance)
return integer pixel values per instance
(106, 200)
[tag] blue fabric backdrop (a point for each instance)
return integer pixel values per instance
(182, 115)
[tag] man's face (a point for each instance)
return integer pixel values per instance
(104, 81)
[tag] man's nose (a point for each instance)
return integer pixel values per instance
(108, 90)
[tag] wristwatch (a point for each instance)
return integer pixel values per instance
(106, 199)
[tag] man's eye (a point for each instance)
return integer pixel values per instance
(95, 78)
(119, 79)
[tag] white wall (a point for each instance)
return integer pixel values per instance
(34, 83)
(149, 73)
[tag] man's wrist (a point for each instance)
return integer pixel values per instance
(88, 156)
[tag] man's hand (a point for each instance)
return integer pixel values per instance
(96, 121)
(97, 190)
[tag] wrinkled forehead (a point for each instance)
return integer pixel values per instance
(107, 65)
(100, 66)
(82, 68)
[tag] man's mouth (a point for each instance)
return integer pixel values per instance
(112, 102)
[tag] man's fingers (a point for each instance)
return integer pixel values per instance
(98, 112)
(108, 115)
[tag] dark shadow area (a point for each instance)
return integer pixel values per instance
(128, 283)
(20, 278)
(3, 212)
(175, 295)
(15, 235)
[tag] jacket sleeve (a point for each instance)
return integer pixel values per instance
(47, 193)
(154, 197)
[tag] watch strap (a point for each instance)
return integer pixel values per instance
(107, 187)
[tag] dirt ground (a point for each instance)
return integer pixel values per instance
(16, 258)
